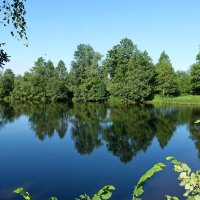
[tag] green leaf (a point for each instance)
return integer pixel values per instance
(21, 191)
(197, 197)
(197, 121)
(138, 190)
(103, 194)
(169, 157)
(53, 198)
(171, 198)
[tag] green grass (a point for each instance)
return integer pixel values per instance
(189, 99)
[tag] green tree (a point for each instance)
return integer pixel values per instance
(166, 79)
(43, 82)
(116, 65)
(7, 83)
(86, 75)
(184, 85)
(57, 85)
(39, 78)
(195, 75)
(23, 87)
(61, 69)
(139, 78)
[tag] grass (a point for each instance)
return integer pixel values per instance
(189, 99)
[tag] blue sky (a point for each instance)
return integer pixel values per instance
(55, 28)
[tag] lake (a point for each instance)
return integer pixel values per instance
(67, 150)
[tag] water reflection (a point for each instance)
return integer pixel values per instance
(86, 129)
(132, 130)
(195, 128)
(125, 130)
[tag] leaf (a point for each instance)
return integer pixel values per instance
(173, 160)
(183, 175)
(103, 194)
(171, 198)
(21, 191)
(53, 198)
(138, 189)
(197, 197)
(84, 196)
(169, 158)
(197, 121)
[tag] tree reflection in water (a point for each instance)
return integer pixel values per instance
(124, 130)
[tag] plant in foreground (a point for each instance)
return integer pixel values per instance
(188, 179)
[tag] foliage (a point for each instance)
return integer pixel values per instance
(184, 85)
(189, 180)
(138, 190)
(103, 194)
(86, 75)
(195, 76)
(13, 13)
(126, 75)
(166, 80)
(116, 66)
(3, 56)
(130, 72)
(6, 83)
(197, 121)
(140, 78)
(171, 198)
(21, 191)
(44, 82)
(116, 63)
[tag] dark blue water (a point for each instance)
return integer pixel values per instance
(67, 150)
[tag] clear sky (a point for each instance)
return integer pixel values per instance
(56, 27)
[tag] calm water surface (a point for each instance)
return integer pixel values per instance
(67, 150)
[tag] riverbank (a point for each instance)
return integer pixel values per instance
(189, 99)
(181, 100)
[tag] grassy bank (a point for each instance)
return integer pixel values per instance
(189, 99)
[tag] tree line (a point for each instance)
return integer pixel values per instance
(126, 74)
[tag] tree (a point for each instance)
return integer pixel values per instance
(195, 75)
(83, 58)
(118, 57)
(131, 72)
(39, 78)
(23, 88)
(86, 75)
(116, 65)
(184, 85)
(43, 82)
(13, 13)
(7, 83)
(61, 69)
(139, 78)
(166, 80)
